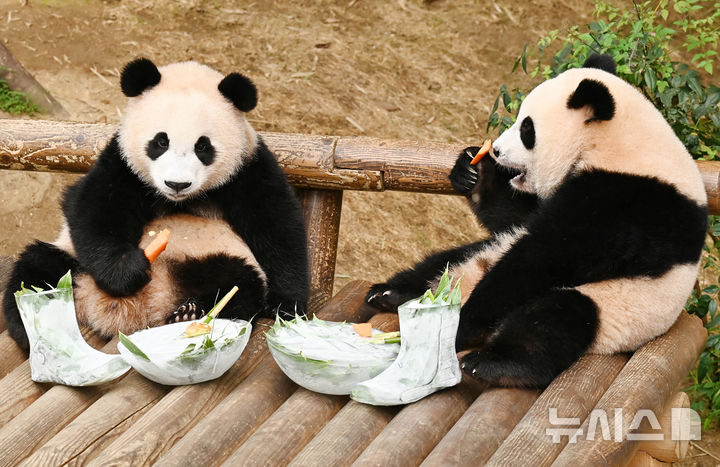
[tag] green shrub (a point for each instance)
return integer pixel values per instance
(15, 102)
(641, 42)
(647, 43)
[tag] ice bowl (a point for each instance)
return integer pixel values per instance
(327, 357)
(164, 355)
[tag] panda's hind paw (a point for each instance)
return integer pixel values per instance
(463, 175)
(190, 310)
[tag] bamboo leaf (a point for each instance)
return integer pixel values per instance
(134, 349)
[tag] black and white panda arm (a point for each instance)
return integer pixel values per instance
(486, 186)
(262, 208)
(106, 212)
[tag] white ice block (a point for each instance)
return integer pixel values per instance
(58, 352)
(327, 357)
(174, 359)
(427, 361)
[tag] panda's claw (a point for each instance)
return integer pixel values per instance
(185, 312)
(387, 298)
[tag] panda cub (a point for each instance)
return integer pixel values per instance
(184, 158)
(598, 217)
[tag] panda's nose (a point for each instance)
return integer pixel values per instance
(177, 186)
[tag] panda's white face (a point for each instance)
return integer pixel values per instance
(182, 137)
(546, 141)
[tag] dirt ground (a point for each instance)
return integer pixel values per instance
(403, 69)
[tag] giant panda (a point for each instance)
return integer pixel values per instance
(598, 217)
(184, 158)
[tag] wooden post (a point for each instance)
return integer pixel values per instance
(322, 210)
(323, 162)
(20, 80)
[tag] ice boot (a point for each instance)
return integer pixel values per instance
(427, 361)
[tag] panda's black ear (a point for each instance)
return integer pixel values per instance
(239, 90)
(602, 62)
(595, 95)
(137, 76)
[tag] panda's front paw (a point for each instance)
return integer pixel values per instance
(188, 311)
(124, 275)
(464, 176)
(386, 298)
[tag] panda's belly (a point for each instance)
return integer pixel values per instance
(634, 311)
(197, 237)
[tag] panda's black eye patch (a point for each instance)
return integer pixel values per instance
(204, 150)
(527, 133)
(157, 146)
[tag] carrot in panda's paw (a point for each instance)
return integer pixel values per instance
(486, 147)
(158, 245)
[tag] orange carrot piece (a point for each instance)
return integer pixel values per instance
(197, 329)
(487, 145)
(158, 244)
(363, 329)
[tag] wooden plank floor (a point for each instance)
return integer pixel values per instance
(254, 415)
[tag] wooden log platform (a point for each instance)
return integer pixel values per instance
(255, 415)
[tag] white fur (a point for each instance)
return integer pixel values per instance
(637, 140)
(634, 311)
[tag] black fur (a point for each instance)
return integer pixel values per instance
(207, 279)
(595, 95)
(40, 265)
(499, 207)
(527, 133)
(412, 283)
(598, 225)
(204, 150)
(603, 62)
(239, 90)
(108, 208)
(157, 146)
(137, 76)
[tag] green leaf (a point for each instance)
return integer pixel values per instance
(188, 349)
(134, 349)
(704, 367)
(65, 281)
(650, 80)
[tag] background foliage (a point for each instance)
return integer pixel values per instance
(667, 49)
(15, 102)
